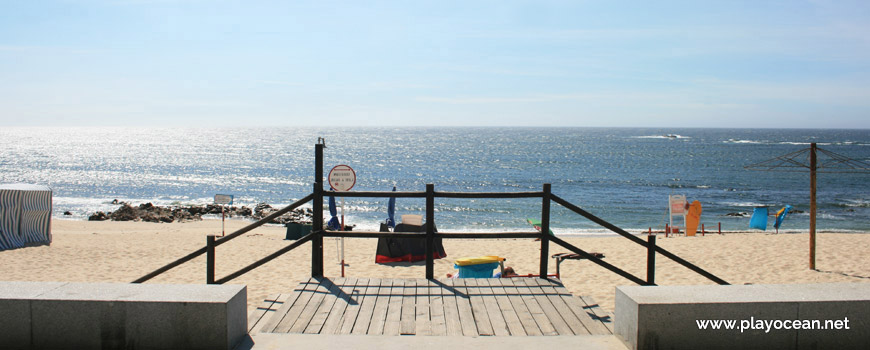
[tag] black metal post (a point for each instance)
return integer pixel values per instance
(545, 231)
(430, 231)
(317, 220)
(651, 259)
(209, 259)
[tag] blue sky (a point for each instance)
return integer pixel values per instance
(796, 64)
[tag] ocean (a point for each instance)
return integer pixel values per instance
(622, 175)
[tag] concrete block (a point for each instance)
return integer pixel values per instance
(666, 317)
(118, 316)
(856, 312)
(15, 319)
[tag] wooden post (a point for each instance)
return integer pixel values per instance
(545, 231)
(209, 259)
(813, 206)
(651, 259)
(720, 227)
(430, 231)
(317, 219)
(703, 233)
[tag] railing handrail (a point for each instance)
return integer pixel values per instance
(546, 195)
(225, 239)
(268, 258)
(375, 234)
(637, 240)
(437, 194)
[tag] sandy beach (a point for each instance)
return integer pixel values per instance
(84, 251)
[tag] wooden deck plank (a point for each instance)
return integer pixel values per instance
(345, 298)
(254, 317)
(555, 296)
(530, 297)
(451, 311)
(326, 303)
(379, 314)
(311, 308)
(514, 326)
(523, 313)
(550, 310)
(393, 324)
(422, 314)
(468, 307)
(289, 317)
(409, 312)
(436, 308)
(578, 306)
(496, 318)
(466, 313)
(358, 316)
(589, 320)
(478, 308)
(598, 313)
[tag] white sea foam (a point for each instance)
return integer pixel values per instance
(668, 136)
(745, 204)
(743, 141)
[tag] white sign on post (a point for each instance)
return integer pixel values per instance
(342, 178)
(223, 199)
(226, 199)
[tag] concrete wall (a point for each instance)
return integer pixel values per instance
(52, 315)
(665, 317)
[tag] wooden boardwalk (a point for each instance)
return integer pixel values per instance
(452, 307)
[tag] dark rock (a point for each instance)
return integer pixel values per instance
(125, 213)
(67, 213)
(149, 212)
(98, 216)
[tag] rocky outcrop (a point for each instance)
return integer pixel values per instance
(263, 210)
(149, 212)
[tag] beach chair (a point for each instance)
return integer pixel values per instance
(571, 256)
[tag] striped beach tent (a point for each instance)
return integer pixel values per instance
(25, 215)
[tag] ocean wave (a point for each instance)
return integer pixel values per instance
(744, 204)
(794, 143)
(854, 203)
(668, 136)
(743, 141)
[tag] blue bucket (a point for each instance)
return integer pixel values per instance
(476, 271)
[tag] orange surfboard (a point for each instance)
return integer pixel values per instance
(693, 218)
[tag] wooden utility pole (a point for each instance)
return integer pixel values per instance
(831, 163)
(813, 206)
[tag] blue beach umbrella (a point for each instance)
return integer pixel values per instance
(333, 223)
(780, 216)
(391, 211)
(759, 218)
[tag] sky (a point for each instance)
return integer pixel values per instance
(214, 63)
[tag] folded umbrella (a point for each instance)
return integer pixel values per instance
(333, 223)
(391, 211)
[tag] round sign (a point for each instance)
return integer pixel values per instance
(342, 178)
